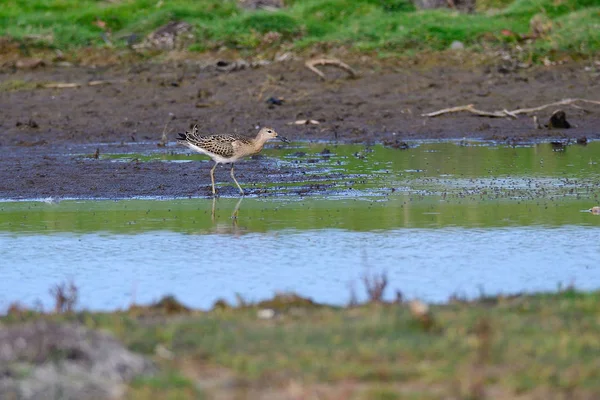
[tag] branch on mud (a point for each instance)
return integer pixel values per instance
(304, 122)
(558, 103)
(470, 108)
(506, 113)
(69, 85)
(311, 64)
(61, 85)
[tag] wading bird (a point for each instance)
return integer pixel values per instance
(225, 149)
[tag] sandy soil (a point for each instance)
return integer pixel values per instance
(41, 128)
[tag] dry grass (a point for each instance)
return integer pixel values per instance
(375, 285)
(65, 297)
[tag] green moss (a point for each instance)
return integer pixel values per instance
(16, 84)
(169, 384)
(270, 22)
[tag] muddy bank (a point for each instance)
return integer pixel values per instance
(133, 105)
(73, 172)
(135, 102)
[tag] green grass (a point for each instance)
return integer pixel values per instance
(17, 84)
(169, 384)
(577, 32)
(390, 26)
(513, 345)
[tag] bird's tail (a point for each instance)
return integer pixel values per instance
(184, 136)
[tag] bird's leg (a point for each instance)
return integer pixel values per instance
(234, 214)
(212, 178)
(212, 214)
(235, 180)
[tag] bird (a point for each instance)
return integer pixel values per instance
(227, 148)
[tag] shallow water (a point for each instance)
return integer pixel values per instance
(441, 219)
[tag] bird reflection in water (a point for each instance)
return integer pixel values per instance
(231, 227)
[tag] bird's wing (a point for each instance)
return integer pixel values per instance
(217, 144)
(226, 138)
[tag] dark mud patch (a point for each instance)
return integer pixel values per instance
(74, 172)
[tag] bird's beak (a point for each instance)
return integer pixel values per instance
(284, 140)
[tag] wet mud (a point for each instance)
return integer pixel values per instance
(144, 104)
(56, 173)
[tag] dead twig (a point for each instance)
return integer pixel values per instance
(353, 301)
(470, 108)
(304, 122)
(509, 113)
(164, 139)
(98, 83)
(65, 297)
(69, 85)
(311, 64)
(506, 113)
(557, 103)
(61, 85)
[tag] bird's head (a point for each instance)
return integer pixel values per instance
(269, 133)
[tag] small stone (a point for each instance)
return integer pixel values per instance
(266, 313)
(284, 57)
(418, 308)
(30, 123)
(558, 120)
(275, 101)
(558, 145)
(173, 35)
(396, 144)
(203, 94)
(261, 4)
(163, 352)
(29, 63)
(457, 45)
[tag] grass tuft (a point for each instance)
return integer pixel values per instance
(65, 297)
(375, 285)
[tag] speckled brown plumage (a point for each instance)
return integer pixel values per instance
(227, 148)
(221, 145)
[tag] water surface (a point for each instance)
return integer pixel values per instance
(441, 219)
